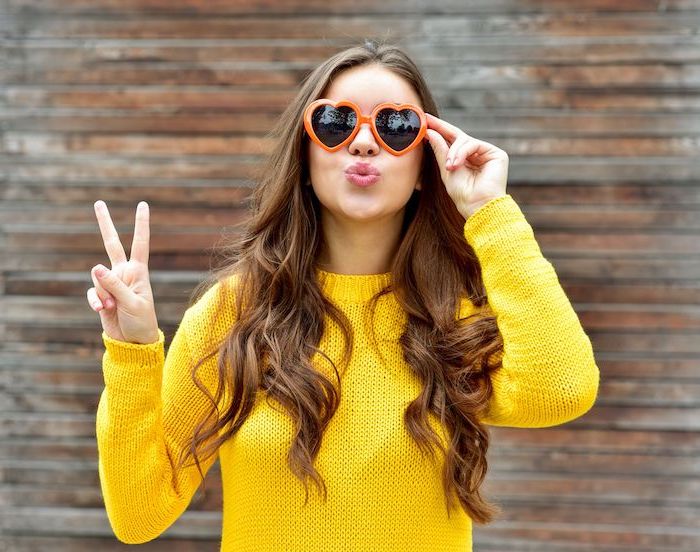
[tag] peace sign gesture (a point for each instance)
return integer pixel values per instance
(123, 295)
(474, 172)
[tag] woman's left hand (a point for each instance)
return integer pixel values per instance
(474, 172)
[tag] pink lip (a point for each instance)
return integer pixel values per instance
(362, 179)
(362, 168)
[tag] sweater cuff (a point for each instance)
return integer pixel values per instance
(125, 363)
(497, 224)
(125, 352)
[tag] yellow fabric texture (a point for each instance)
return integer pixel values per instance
(383, 493)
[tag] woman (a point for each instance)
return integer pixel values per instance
(385, 301)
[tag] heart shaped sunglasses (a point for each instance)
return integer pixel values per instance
(398, 127)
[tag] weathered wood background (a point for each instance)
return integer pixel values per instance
(167, 101)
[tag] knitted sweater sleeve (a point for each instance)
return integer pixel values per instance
(147, 412)
(548, 375)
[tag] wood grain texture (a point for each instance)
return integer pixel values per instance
(596, 103)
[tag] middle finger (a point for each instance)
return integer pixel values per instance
(142, 234)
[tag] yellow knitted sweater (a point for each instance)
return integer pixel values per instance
(383, 494)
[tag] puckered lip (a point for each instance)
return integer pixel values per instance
(362, 168)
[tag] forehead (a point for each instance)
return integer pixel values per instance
(370, 85)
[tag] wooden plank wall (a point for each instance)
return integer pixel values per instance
(167, 101)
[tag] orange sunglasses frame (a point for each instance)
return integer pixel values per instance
(361, 118)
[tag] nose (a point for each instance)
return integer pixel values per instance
(364, 141)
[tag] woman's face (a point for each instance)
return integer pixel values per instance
(399, 176)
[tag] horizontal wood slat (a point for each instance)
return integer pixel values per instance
(192, 8)
(68, 51)
(340, 27)
(284, 75)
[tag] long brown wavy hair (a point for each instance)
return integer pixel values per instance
(280, 308)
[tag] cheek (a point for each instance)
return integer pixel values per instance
(407, 167)
(322, 176)
(417, 156)
(320, 161)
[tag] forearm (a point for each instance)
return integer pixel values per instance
(549, 375)
(142, 493)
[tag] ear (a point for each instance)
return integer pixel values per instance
(419, 182)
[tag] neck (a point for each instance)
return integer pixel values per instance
(358, 247)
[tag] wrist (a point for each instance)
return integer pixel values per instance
(472, 208)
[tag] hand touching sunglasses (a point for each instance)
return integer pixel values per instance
(473, 171)
(398, 128)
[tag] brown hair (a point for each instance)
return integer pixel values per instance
(272, 342)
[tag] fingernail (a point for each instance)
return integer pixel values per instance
(109, 303)
(100, 270)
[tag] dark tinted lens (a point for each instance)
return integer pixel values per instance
(333, 125)
(398, 128)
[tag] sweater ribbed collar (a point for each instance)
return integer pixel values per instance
(351, 288)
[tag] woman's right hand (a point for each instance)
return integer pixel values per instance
(123, 295)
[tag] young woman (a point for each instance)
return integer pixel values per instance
(385, 302)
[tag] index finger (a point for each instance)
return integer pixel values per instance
(448, 130)
(113, 245)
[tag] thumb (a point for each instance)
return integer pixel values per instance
(112, 283)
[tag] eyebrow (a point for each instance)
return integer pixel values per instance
(378, 103)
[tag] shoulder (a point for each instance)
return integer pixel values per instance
(213, 296)
(213, 312)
